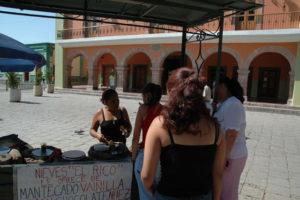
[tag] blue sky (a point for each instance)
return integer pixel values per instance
(25, 29)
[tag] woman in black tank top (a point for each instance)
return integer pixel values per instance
(188, 143)
(113, 120)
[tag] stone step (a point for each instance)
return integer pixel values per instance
(272, 110)
(272, 105)
(249, 106)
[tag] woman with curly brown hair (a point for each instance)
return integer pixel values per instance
(188, 143)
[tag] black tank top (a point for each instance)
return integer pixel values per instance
(111, 129)
(187, 170)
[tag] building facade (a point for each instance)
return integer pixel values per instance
(261, 48)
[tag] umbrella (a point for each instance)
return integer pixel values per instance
(16, 57)
(16, 65)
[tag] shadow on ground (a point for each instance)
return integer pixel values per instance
(29, 102)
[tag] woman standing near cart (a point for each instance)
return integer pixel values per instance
(146, 113)
(232, 118)
(113, 119)
(188, 143)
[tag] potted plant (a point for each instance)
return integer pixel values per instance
(13, 84)
(50, 85)
(38, 88)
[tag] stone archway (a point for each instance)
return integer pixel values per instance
(159, 72)
(273, 49)
(123, 69)
(73, 54)
(242, 71)
(286, 54)
(171, 50)
(93, 70)
(130, 53)
(225, 49)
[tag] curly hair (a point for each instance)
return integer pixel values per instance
(185, 107)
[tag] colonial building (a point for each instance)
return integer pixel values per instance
(261, 48)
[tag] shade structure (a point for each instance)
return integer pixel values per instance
(16, 57)
(16, 65)
(185, 13)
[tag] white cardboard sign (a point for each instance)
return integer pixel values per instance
(96, 181)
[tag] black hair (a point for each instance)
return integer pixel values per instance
(234, 87)
(155, 91)
(106, 95)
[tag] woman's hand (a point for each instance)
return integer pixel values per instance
(101, 138)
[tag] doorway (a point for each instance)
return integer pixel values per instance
(268, 84)
(247, 20)
(171, 63)
(106, 69)
(139, 77)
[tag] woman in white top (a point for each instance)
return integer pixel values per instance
(232, 118)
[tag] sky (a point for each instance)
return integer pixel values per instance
(28, 30)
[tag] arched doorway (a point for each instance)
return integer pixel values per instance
(79, 72)
(229, 67)
(139, 73)
(171, 63)
(106, 73)
(268, 79)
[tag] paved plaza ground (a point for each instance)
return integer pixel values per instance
(273, 166)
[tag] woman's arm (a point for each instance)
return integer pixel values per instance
(230, 139)
(137, 132)
(127, 120)
(151, 154)
(95, 126)
(218, 167)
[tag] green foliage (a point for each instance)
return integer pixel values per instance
(48, 75)
(38, 77)
(13, 80)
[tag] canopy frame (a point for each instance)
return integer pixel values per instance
(207, 10)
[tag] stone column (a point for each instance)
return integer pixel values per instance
(156, 74)
(126, 79)
(291, 87)
(69, 76)
(121, 77)
(92, 78)
(243, 80)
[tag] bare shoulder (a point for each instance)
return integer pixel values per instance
(98, 112)
(143, 109)
(159, 131)
(98, 115)
(158, 121)
(158, 125)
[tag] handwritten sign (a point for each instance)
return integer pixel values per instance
(97, 181)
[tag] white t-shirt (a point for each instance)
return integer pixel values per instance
(206, 93)
(232, 116)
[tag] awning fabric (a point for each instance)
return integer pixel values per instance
(188, 13)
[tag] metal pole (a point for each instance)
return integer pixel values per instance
(183, 47)
(219, 58)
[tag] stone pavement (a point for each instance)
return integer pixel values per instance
(273, 166)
